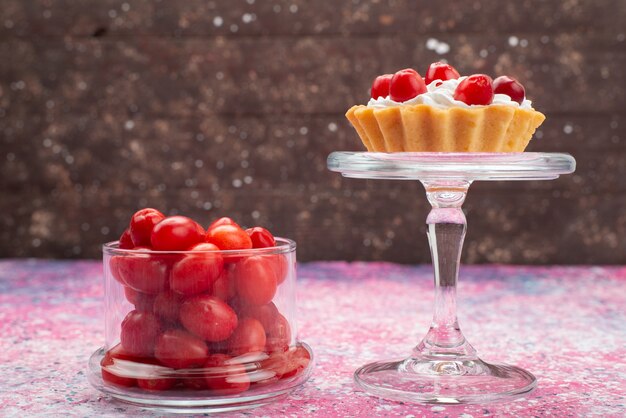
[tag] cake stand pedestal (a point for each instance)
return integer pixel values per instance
(444, 368)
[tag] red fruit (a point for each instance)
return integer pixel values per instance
(167, 305)
(225, 376)
(256, 280)
(114, 269)
(440, 71)
(249, 337)
(222, 221)
(475, 90)
(143, 302)
(208, 317)
(405, 85)
(142, 272)
(224, 286)
(509, 86)
(180, 350)
(264, 313)
(108, 374)
(280, 263)
(229, 237)
(278, 334)
(157, 384)
(139, 333)
(176, 233)
(126, 242)
(141, 225)
(261, 237)
(196, 273)
(287, 364)
(380, 86)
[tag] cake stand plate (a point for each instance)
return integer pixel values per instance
(444, 368)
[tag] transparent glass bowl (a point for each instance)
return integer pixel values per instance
(194, 331)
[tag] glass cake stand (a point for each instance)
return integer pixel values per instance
(444, 368)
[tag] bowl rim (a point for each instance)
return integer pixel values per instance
(284, 245)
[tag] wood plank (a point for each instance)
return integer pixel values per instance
(304, 76)
(364, 225)
(59, 18)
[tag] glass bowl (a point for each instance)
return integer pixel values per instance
(194, 331)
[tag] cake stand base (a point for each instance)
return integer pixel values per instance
(444, 381)
(444, 368)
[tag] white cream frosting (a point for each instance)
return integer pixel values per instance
(441, 95)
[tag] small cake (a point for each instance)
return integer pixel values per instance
(445, 113)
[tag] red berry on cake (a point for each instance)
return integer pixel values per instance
(380, 86)
(405, 85)
(476, 89)
(509, 86)
(441, 71)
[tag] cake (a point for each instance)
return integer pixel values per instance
(445, 113)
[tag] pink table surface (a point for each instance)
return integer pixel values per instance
(565, 324)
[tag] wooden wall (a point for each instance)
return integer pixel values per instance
(211, 108)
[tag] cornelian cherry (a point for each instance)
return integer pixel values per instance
(126, 242)
(509, 86)
(405, 85)
(256, 280)
(143, 302)
(144, 273)
(166, 306)
(229, 237)
(180, 350)
(222, 221)
(208, 317)
(176, 233)
(475, 90)
(261, 237)
(440, 71)
(141, 225)
(139, 332)
(249, 337)
(380, 86)
(225, 376)
(196, 272)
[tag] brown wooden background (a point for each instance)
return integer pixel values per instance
(211, 108)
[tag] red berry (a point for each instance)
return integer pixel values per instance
(109, 360)
(222, 221)
(264, 313)
(208, 317)
(196, 273)
(287, 364)
(157, 384)
(176, 233)
(249, 337)
(141, 225)
(475, 90)
(126, 242)
(280, 263)
(380, 86)
(229, 237)
(440, 71)
(139, 333)
(167, 305)
(256, 280)
(143, 302)
(142, 272)
(509, 86)
(278, 334)
(224, 286)
(180, 350)
(225, 375)
(261, 237)
(405, 85)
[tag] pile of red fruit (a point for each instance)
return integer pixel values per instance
(477, 89)
(198, 308)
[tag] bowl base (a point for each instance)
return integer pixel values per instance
(444, 381)
(198, 401)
